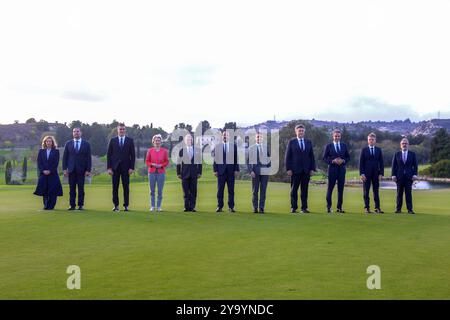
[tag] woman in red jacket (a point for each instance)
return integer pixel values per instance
(157, 160)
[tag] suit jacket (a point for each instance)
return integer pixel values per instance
(404, 170)
(224, 167)
(125, 156)
(371, 166)
(255, 162)
(80, 161)
(189, 169)
(297, 160)
(48, 185)
(330, 154)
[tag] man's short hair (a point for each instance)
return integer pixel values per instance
(299, 126)
(372, 135)
(404, 139)
(121, 124)
(78, 128)
(336, 131)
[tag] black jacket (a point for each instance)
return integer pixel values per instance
(125, 156)
(220, 165)
(297, 160)
(330, 154)
(48, 185)
(404, 170)
(371, 165)
(80, 161)
(188, 169)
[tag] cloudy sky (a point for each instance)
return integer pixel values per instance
(247, 61)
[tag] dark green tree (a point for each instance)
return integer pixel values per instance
(8, 172)
(440, 146)
(24, 169)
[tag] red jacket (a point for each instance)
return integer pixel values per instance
(159, 157)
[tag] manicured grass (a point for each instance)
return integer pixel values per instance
(175, 255)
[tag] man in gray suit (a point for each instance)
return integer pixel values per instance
(258, 159)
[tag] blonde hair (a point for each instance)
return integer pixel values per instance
(372, 135)
(54, 144)
(155, 137)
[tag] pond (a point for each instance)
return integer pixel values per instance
(418, 185)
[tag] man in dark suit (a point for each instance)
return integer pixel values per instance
(121, 158)
(189, 171)
(258, 159)
(336, 155)
(300, 166)
(371, 170)
(77, 164)
(225, 168)
(404, 172)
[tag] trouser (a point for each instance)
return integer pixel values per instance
(121, 173)
(156, 180)
(404, 186)
(189, 186)
(339, 178)
(259, 185)
(76, 180)
(49, 201)
(375, 183)
(228, 179)
(300, 180)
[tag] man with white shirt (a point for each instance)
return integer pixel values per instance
(189, 172)
(258, 158)
(371, 170)
(300, 166)
(336, 155)
(404, 172)
(226, 168)
(121, 158)
(77, 164)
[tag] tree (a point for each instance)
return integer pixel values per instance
(63, 134)
(8, 172)
(440, 146)
(24, 169)
(30, 121)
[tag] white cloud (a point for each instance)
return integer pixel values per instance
(171, 61)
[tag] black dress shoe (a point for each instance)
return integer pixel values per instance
(115, 209)
(193, 210)
(231, 210)
(340, 211)
(186, 210)
(80, 208)
(329, 210)
(379, 210)
(367, 210)
(304, 211)
(398, 211)
(293, 210)
(219, 209)
(125, 208)
(255, 210)
(411, 212)
(71, 208)
(261, 210)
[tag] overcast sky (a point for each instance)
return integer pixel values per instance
(247, 61)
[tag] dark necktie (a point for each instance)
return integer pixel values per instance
(77, 146)
(338, 149)
(372, 153)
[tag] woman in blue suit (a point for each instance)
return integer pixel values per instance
(49, 185)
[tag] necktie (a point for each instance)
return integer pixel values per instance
(338, 149)
(371, 151)
(302, 145)
(77, 145)
(404, 157)
(121, 142)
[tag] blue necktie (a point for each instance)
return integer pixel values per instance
(77, 146)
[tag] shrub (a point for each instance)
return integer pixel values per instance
(440, 169)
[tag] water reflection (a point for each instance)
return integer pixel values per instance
(418, 185)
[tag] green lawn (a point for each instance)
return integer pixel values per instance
(175, 255)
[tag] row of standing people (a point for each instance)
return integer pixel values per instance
(299, 161)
